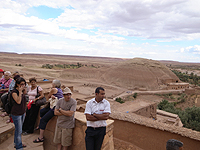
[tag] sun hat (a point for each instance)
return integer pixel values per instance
(1, 70)
(66, 91)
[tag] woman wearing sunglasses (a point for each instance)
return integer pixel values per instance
(18, 110)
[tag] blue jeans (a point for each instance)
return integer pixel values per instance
(18, 122)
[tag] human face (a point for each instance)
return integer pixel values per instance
(67, 96)
(33, 83)
(22, 84)
(53, 85)
(100, 96)
(1, 74)
(6, 76)
(14, 74)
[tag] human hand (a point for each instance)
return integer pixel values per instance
(53, 97)
(21, 87)
(60, 110)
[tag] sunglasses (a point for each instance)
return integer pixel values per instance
(22, 84)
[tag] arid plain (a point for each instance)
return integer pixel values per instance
(119, 77)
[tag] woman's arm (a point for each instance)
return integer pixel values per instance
(53, 91)
(17, 98)
(41, 95)
(5, 90)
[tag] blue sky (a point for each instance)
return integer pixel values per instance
(152, 29)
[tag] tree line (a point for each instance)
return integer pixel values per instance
(67, 66)
(185, 77)
(189, 117)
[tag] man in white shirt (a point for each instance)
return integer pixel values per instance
(97, 111)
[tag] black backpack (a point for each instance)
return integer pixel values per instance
(9, 104)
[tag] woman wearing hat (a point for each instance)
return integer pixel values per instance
(1, 73)
(5, 82)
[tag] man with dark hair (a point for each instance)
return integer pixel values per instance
(97, 111)
(173, 144)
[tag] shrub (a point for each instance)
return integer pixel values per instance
(189, 117)
(119, 99)
(48, 66)
(135, 95)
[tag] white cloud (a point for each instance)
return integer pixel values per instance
(104, 27)
(193, 49)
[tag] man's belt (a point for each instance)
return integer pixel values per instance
(95, 128)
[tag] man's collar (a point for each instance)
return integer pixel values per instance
(93, 100)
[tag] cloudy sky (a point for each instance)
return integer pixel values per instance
(153, 29)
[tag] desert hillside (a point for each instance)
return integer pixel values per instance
(137, 73)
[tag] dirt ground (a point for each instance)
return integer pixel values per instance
(119, 77)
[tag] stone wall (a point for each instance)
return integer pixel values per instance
(189, 91)
(177, 86)
(78, 142)
(148, 111)
(147, 134)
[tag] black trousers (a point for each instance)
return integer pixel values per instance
(46, 114)
(4, 99)
(30, 119)
(94, 138)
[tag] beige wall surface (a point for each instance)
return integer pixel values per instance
(78, 142)
(148, 138)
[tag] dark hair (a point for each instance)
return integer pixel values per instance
(98, 89)
(15, 77)
(32, 79)
(173, 144)
(19, 80)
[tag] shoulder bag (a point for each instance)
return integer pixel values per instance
(40, 102)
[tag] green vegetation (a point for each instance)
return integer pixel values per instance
(19, 65)
(119, 99)
(135, 95)
(185, 77)
(185, 67)
(48, 66)
(181, 97)
(67, 66)
(189, 117)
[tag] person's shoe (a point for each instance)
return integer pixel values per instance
(37, 128)
(8, 121)
(23, 145)
(25, 133)
(4, 114)
(38, 140)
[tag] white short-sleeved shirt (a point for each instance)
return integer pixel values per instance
(33, 93)
(92, 106)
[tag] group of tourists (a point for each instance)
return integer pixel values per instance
(25, 109)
